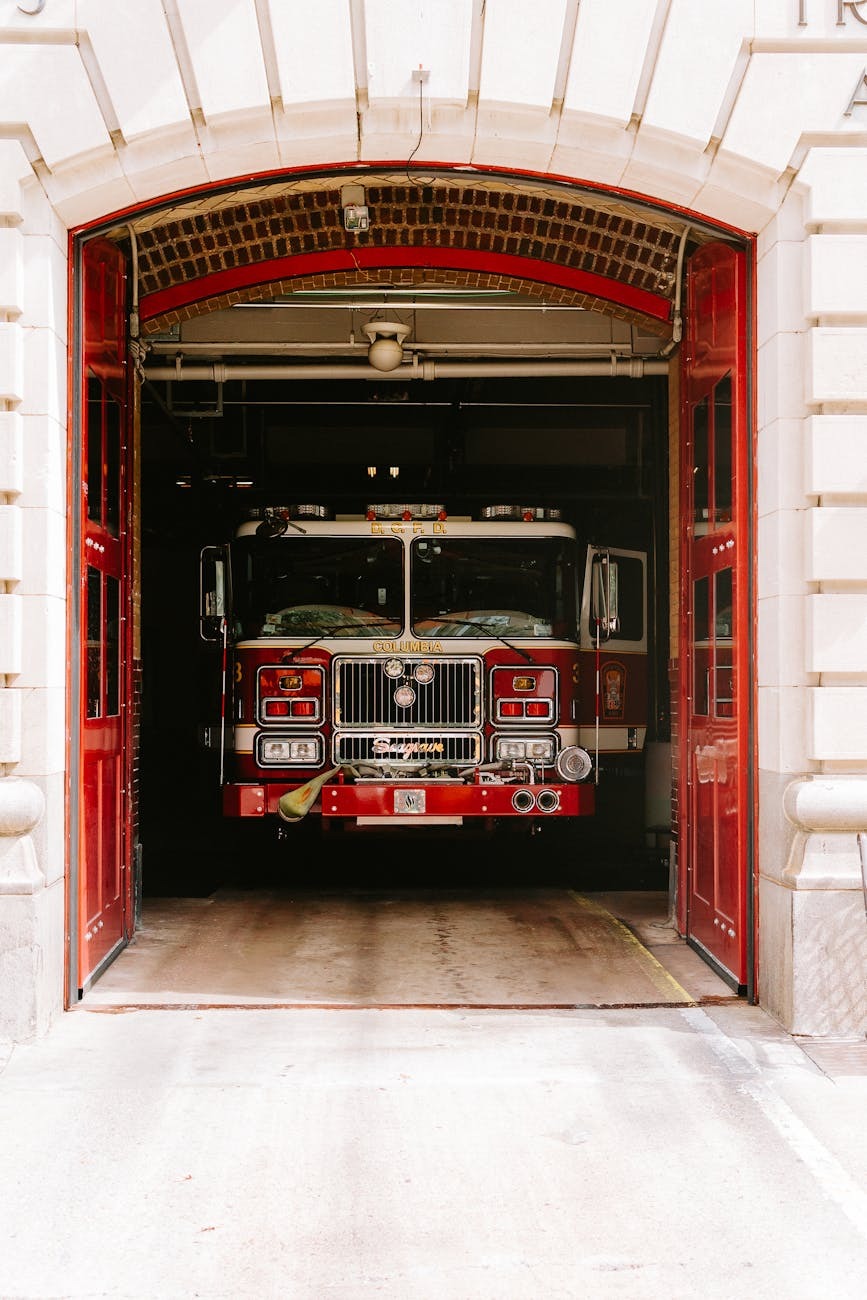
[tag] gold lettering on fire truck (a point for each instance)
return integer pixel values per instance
(416, 527)
(408, 647)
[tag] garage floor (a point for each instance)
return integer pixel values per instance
(485, 948)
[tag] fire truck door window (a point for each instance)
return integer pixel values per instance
(630, 598)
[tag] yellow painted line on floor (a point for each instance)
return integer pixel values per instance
(661, 979)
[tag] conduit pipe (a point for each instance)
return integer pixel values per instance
(219, 372)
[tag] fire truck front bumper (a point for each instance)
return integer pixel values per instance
(388, 802)
(394, 803)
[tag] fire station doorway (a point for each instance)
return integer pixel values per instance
(652, 444)
(101, 651)
(715, 688)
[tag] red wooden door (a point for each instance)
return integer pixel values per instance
(715, 608)
(104, 900)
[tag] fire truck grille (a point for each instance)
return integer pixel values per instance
(365, 695)
(408, 748)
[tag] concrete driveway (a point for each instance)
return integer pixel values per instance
(683, 1146)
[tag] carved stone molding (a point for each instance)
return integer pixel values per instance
(22, 805)
(827, 803)
(829, 813)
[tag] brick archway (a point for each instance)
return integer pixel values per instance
(548, 241)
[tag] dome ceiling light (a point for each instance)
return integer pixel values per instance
(386, 343)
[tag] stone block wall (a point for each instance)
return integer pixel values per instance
(716, 112)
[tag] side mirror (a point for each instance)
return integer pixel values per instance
(603, 596)
(213, 605)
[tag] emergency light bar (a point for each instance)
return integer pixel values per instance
(304, 511)
(547, 514)
(389, 511)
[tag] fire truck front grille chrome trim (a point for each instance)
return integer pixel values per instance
(408, 749)
(364, 693)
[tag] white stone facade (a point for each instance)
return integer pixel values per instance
(751, 113)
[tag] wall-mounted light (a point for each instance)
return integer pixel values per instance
(371, 471)
(356, 214)
(386, 343)
(356, 218)
(394, 470)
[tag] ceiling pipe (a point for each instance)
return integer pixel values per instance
(677, 319)
(220, 372)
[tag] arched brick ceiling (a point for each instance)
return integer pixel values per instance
(552, 243)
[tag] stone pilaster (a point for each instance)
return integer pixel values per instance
(24, 1001)
(814, 913)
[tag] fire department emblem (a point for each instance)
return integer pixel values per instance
(613, 690)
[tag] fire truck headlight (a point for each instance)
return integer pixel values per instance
(574, 764)
(393, 668)
(282, 751)
(540, 749)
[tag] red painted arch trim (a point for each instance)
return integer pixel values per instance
(355, 259)
(374, 167)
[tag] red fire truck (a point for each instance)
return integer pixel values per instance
(408, 668)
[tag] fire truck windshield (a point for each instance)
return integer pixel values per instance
(500, 586)
(317, 586)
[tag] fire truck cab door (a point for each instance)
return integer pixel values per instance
(613, 667)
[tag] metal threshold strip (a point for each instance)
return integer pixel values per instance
(124, 1008)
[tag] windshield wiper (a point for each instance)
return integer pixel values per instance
(486, 631)
(362, 629)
